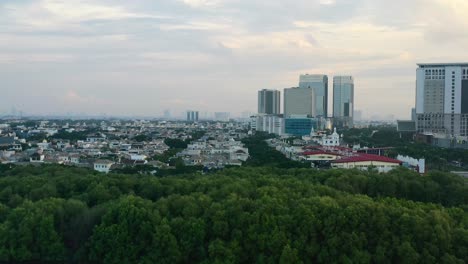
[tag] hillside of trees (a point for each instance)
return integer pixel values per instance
(238, 215)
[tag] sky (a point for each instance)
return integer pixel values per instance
(141, 57)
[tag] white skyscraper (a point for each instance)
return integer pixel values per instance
(343, 101)
(442, 98)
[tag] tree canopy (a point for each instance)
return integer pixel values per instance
(237, 215)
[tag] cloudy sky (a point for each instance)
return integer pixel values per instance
(141, 57)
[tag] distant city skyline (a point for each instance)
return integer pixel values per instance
(125, 58)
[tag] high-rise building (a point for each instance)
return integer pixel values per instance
(192, 116)
(167, 114)
(319, 83)
(299, 101)
(357, 115)
(442, 98)
(343, 101)
(269, 102)
(222, 116)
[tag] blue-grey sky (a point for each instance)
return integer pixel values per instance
(141, 57)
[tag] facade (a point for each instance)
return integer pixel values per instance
(299, 101)
(253, 122)
(319, 84)
(272, 124)
(269, 102)
(222, 116)
(442, 99)
(299, 126)
(103, 165)
(343, 101)
(332, 140)
(365, 161)
(192, 116)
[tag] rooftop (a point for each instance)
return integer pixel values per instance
(367, 157)
(423, 65)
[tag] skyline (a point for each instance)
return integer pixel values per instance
(141, 58)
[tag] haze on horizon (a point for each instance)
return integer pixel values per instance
(142, 57)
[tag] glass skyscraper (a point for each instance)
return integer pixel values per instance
(269, 102)
(319, 84)
(343, 101)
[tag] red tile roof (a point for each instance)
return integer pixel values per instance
(367, 157)
(318, 152)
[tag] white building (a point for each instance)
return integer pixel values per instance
(272, 124)
(442, 98)
(103, 165)
(332, 140)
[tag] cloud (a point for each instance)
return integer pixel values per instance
(201, 3)
(34, 58)
(215, 54)
(72, 10)
(70, 14)
(327, 2)
(195, 25)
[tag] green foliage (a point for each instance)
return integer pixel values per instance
(141, 138)
(238, 215)
(133, 231)
(37, 137)
(175, 143)
(167, 155)
(263, 155)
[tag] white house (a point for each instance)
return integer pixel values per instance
(103, 165)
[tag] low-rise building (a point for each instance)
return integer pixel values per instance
(103, 165)
(366, 161)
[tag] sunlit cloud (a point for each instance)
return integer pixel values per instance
(215, 54)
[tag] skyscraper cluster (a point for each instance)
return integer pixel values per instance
(192, 116)
(306, 106)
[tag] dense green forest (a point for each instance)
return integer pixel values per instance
(238, 215)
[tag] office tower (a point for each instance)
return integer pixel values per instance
(222, 116)
(167, 114)
(413, 114)
(299, 101)
(442, 98)
(269, 102)
(192, 116)
(357, 115)
(319, 83)
(343, 101)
